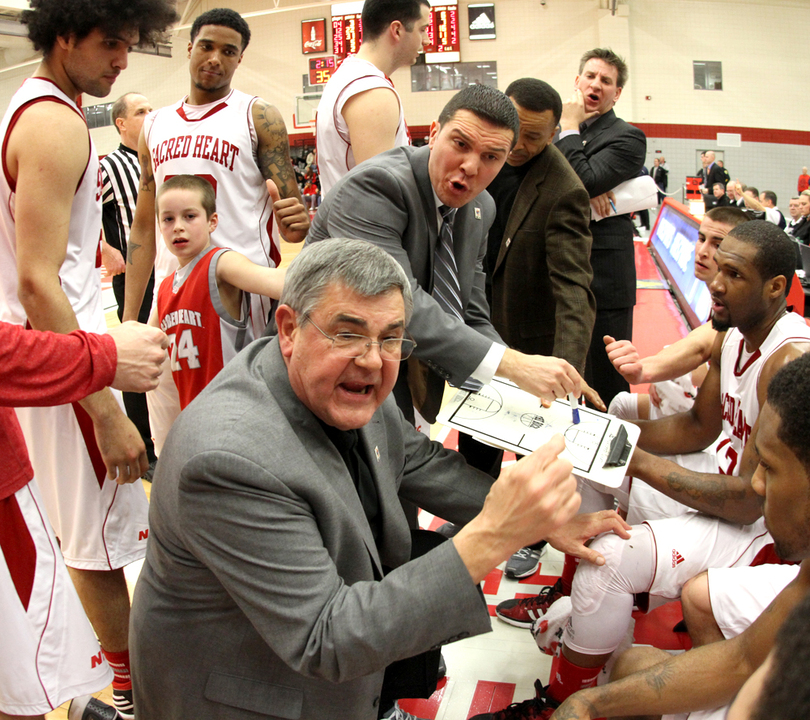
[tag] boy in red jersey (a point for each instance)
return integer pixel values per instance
(204, 306)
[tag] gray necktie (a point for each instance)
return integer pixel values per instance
(446, 288)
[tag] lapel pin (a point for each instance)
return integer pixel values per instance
(477, 213)
(377, 452)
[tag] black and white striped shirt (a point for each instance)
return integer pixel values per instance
(120, 174)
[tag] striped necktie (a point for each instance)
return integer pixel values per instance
(446, 288)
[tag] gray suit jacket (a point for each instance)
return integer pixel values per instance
(388, 200)
(262, 594)
(541, 283)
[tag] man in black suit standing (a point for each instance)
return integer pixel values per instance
(712, 172)
(605, 151)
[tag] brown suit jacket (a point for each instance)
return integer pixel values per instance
(541, 297)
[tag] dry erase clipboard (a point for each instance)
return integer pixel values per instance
(503, 415)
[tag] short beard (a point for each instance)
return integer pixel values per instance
(720, 325)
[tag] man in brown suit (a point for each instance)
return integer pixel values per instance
(540, 244)
(538, 259)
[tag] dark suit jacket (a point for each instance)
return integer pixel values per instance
(541, 297)
(801, 231)
(710, 201)
(389, 201)
(659, 174)
(607, 153)
(715, 175)
(263, 594)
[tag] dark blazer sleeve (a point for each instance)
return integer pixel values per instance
(568, 246)
(619, 155)
(382, 204)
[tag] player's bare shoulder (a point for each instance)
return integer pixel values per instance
(33, 137)
(787, 353)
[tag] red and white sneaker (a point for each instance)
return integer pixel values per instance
(523, 612)
(540, 707)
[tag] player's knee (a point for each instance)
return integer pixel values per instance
(624, 406)
(695, 596)
(627, 569)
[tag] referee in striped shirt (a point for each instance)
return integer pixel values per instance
(121, 174)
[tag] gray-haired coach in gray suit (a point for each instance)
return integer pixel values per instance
(277, 582)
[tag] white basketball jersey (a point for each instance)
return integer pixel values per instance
(335, 157)
(739, 377)
(218, 142)
(79, 275)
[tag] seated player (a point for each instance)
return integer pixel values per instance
(685, 356)
(704, 681)
(778, 690)
(688, 355)
(748, 295)
(204, 306)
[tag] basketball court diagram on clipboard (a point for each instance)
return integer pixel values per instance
(503, 415)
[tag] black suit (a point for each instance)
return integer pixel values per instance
(659, 174)
(712, 202)
(801, 231)
(607, 153)
(712, 175)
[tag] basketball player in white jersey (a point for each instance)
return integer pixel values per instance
(749, 301)
(237, 142)
(655, 682)
(50, 225)
(360, 114)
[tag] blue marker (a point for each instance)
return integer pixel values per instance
(612, 204)
(574, 405)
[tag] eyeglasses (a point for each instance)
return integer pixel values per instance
(350, 345)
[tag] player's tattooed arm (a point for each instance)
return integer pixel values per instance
(147, 185)
(725, 496)
(658, 676)
(147, 174)
(576, 707)
(141, 247)
(273, 155)
(274, 148)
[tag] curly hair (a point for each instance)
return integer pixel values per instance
(49, 19)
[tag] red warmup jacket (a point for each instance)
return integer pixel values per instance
(44, 368)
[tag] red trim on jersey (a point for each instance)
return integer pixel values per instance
(89, 435)
(104, 528)
(18, 548)
(745, 549)
(739, 371)
(767, 556)
(275, 253)
(211, 112)
(12, 183)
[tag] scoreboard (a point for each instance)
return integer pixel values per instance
(321, 69)
(347, 34)
(443, 34)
